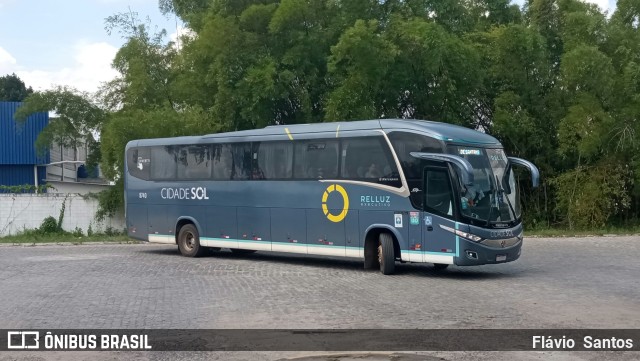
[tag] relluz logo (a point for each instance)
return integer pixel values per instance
(345, 198)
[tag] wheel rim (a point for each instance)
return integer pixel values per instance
(189, 241)
(380, 258)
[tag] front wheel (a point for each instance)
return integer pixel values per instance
(386, 256)
(189, 241)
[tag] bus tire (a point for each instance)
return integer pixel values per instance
(371, 260)
(239, 251)
(189, 241)
(386, 256)
(440, 266)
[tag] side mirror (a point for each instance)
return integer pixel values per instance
(535, 174)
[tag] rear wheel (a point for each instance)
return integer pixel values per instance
(189, 241)
(440, 266)
(239, 251)
(386, 256)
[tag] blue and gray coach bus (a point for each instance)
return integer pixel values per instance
(378, 190)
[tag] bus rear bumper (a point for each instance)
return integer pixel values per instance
(474, 254)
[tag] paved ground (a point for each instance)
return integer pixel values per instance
(558, 283)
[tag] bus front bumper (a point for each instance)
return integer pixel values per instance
(474, 254)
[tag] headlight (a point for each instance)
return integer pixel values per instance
(465, 235)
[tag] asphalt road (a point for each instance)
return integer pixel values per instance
(558, 283)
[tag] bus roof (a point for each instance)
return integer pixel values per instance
(442, 131)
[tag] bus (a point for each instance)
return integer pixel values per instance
(384, 191)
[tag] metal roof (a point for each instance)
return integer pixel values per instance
(17, 175)
(17, 139)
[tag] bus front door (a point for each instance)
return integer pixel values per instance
(439, 242)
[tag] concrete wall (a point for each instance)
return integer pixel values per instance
(27, 211)
(76, 187)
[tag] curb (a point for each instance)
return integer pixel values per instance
(70, 243)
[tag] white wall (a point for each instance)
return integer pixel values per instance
(27, 211)
(76, 187)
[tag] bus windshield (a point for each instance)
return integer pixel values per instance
(489, 199)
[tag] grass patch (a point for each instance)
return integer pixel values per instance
(64, 238)
(563, 232)
(76, 237)
(50, 231)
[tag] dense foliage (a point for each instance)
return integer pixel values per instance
(558, 82)
(13, 89)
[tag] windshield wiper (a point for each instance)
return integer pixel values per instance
(490, 210)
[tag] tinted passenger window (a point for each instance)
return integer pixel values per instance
(139, 162)
(369, 159)
(164, 162)
(405, 143)
(316, 159)
(231, 161)
(241, 161)
(222, 160)
(274, 160)
(194, 162)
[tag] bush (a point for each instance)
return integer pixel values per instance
(590, 196)
(78, 232)
(110, 231)
(49, 225)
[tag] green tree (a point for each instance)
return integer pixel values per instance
(558, 82)
(77, 118)
(13, 89)
(144, 63)
(436, 75)
(359, 64)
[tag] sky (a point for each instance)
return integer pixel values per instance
(49, 43)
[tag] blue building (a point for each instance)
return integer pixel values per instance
(19, 158)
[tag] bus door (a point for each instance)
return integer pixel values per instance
(439, 225)
(439, 244)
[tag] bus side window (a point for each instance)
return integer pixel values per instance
(139, 162)
(274, 159)
(222, 161)
(242, 156)
(369, 159)
(194, 162)
(405, 143)
(164, 162)
(316, 159)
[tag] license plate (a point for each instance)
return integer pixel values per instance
(501, 257)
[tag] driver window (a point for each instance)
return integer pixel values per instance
(438, 195)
